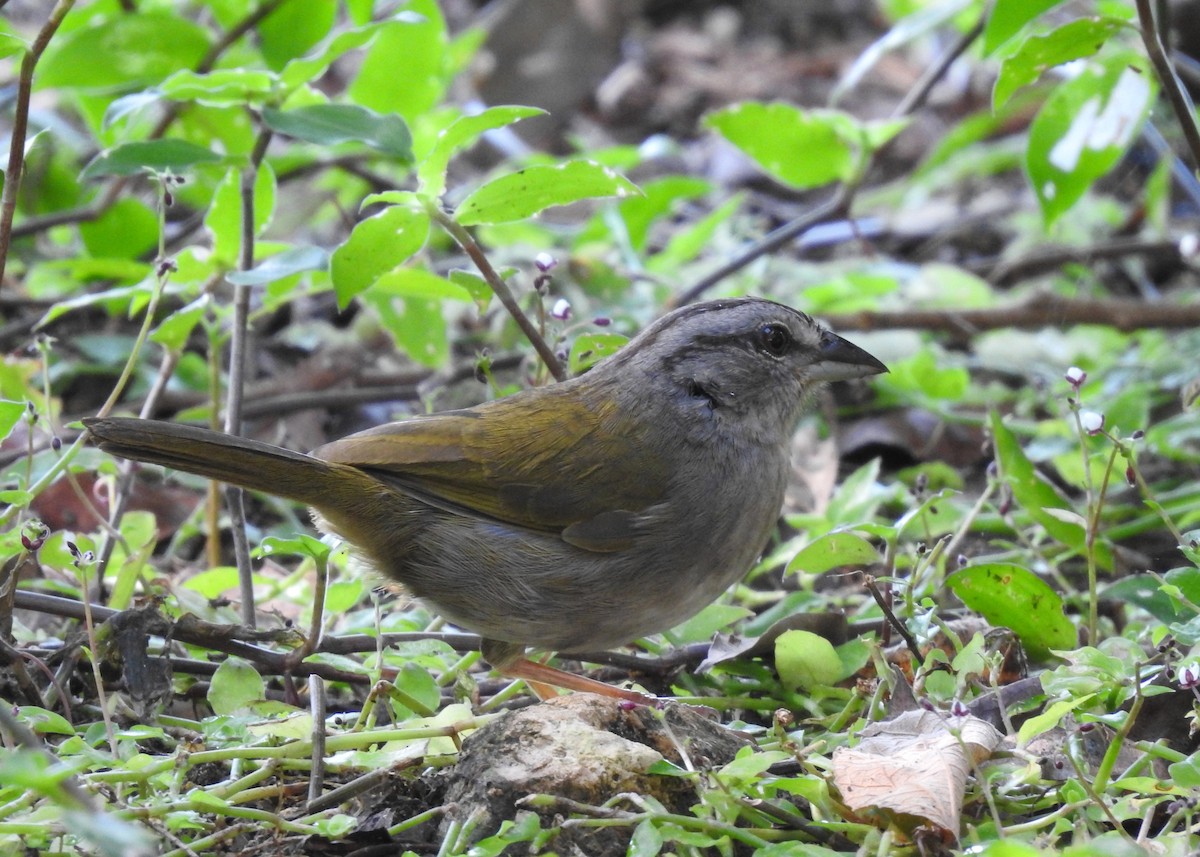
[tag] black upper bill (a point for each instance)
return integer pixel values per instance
(841, 360)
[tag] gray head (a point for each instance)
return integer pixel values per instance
(749, 360)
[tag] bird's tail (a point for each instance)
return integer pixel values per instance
(228, 458)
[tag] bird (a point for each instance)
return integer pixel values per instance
(571, 517)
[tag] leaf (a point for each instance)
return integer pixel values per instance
(235, 686)
(1085, 127)
(833, 550)
(224, 215)
(10, 415)
(1008, 17)
(377, 245)
(1014, 597)
(124, 50)
(1041, 52)
(285, 264)
(173, 331)
(155, 156)
(1037, 496)
(420, 39)
(222, 87)
(301, 71)
(462, 133)
(329, 124)
(293, 28)
(588, 349)
(127, 229)
(801, 148)
(806, 661)
(1163, 598)
(522, 194)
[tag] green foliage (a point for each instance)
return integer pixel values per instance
(339, 128)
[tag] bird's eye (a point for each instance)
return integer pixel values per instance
(775, 339)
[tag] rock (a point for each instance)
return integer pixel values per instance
(582, 748)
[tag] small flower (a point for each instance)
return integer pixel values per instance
(561, 309)
(602, 321)
(1075, 377)
(959, 708)
(1189, 677)
(1092, 422)
(1189, 246)
(545, 262)
(1137, 435)
(962, 560)
(1130, 477)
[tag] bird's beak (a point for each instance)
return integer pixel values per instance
(840, 360)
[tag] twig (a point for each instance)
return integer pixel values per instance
(839, 204)
(1040, 311)
(467, 242)
(1180, 102)
(238, 346)
(16, 146)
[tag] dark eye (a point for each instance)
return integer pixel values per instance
(775, 339)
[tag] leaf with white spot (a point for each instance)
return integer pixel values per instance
(527, 192)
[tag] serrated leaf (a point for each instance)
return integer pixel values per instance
(1041, 52)
(1014, 597)
(801, 148)
(377, 245)
(1008, 17)
(833, 550)
(158, 156)
(330, 124)
(462, 133)
(522, 194)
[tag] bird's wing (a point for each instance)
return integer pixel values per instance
(550, 462)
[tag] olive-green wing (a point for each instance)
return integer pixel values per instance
(544, 460)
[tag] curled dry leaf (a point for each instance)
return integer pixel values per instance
(912, 770)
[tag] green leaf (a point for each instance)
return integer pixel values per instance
(10, 415)
(1014, 597)
(235, 687)
(124, 50)
(806, 661)
(416, 325)
(1085, 127)
(590, 348)
(329, 124)
(1042, 52)
(294, 28)
(173, 331)
(922, 374)
(377, 245)
(156, 156)
(526, 192)
(462, 133)
(222, 87)
(11, 44)
(418, 283)
(301, 71)
(1035, 495)
(1163, 598)
(687, 243)
(710, 620)
(285, 264)
(833, 550)
(405, 70)
(127, 229)
(1008, 17)
(300, 544)
(224, 216)
(660, 197)
(801, 148)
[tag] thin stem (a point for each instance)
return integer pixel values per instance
(467, 242)
(16, 146)
(1180, 102)
(239, 343)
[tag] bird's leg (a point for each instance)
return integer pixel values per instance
(544, 674)
(510, 659)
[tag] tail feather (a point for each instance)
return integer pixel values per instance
(235, 460)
